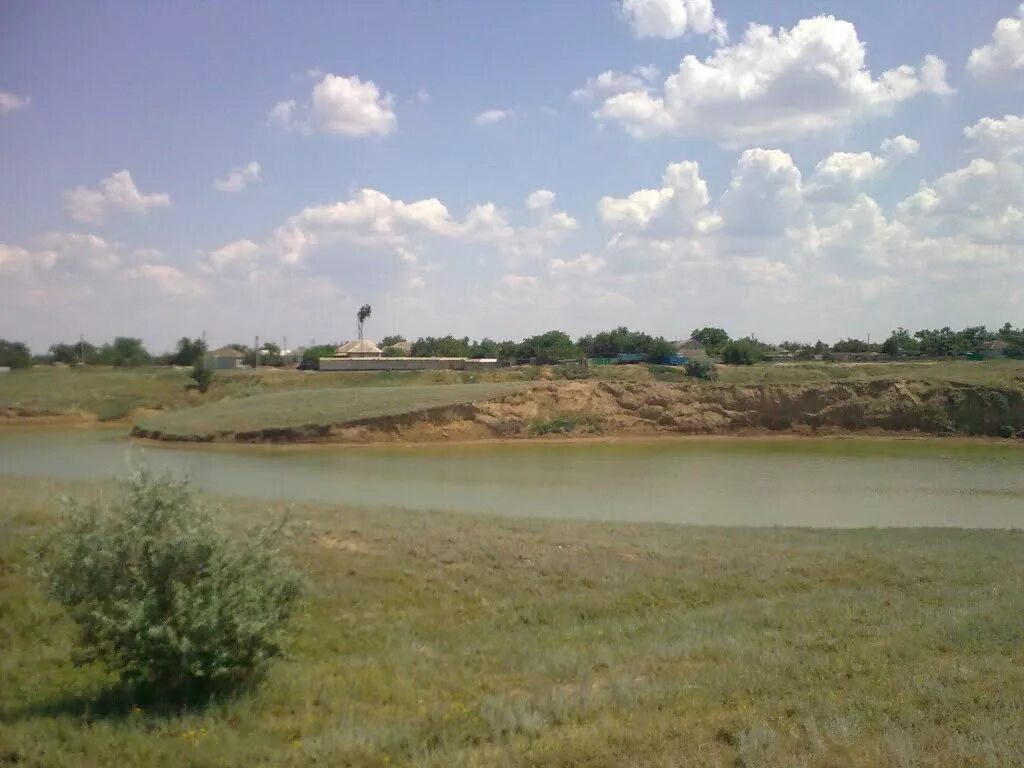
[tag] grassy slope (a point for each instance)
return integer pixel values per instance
(315, 407)
(113, 393)
(444, 640)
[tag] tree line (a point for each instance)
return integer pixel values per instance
(549, 347)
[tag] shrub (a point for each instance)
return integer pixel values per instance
(1007, 430)
(741, 352)
(202, 376)
(163, 597)
(699, 369)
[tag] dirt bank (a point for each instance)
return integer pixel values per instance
(619, 408)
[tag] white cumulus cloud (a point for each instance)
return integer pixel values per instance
(679, 205)
(11, 102)
(117, 192)
(238, 178)
(841, 173)
(773, 86)
(1002, 60)
(610, 83)
(343, 106)
(672, 18)
(491, 116)
(993, 136)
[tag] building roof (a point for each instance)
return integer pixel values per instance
(227, 352)
(404, 346)
(998, 344)
(360, 347)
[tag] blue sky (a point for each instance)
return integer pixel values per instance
(841, 168)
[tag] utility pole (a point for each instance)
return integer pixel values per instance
(203, 357)
(81, 346)
(256, 350)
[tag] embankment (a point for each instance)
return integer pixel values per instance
(583, 408)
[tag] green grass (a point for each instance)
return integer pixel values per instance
(114, 392)
(982, 372)
(111, 393)
(454, 640)
(315, 408)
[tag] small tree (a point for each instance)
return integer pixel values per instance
(15, 354)
(362, 316)
(202, 376)
(700, 369)
(741, 352)
(161, 595)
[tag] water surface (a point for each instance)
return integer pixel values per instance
(740, 481)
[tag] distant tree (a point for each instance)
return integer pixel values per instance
(71, 354)
(900, 342)
(201, 375)
(658, 350)
(321, 350)
(441, 346)
(616, 341)
(189, 351)
(945, 342)
(15, 354)
(549, 347)
(1015, 338)
(507, 350)
(390, 341)
(124, 351)
(713, 339)
(742, 352)
(362, 316)
(854, 345)
(485, 348)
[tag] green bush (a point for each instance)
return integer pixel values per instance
(741, 352)
(202, 376)
(699, 369)
(162, 596)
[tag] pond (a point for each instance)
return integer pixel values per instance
(709, 481)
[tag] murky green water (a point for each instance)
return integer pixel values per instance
(743, 481)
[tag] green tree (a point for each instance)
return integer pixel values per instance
(549, 347)
(124, 351)
(201, 375)
(900, 342)
(854, 345)
(713, 339)
(508, 350)
(441, 346)
(161, 595)
(362, 316)
(389, 341)
(15, 354)
(742, 352)
(658, 350)
(315, 353)
(71, 354)
(485, 348)
(189, 351)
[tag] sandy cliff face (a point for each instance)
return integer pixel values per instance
(589, 407)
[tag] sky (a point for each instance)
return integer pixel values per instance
(795, 169)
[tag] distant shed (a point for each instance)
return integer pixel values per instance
(224, 358)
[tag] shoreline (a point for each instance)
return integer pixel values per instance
(871, 435)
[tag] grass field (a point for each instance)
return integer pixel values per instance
(314, 408)
(445, 640)
(110, 393)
